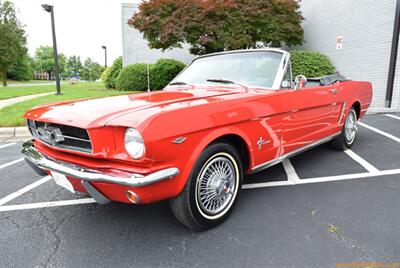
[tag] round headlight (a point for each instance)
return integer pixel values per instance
(134, 143)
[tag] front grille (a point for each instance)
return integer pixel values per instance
(62, 136)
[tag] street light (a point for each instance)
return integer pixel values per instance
(105, 55)
(50, 9)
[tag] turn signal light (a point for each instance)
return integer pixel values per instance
(133, 197)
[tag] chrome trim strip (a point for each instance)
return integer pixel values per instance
(342, 113)
(78, 139)
(281, 70)
(291, 154)
(136, 180)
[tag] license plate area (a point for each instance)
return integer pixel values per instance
(62, 181)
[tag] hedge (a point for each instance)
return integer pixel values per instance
(111, 75)
(104, 75)
(163, 71)
(133, 77)
(310, 63)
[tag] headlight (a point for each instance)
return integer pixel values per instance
(134, 143)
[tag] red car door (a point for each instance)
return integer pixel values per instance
(311, 115)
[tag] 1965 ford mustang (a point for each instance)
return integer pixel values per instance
(226, 115)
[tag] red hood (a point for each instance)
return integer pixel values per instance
(97, 112)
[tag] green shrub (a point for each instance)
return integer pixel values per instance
(104, 74)
(163, 71)
(111, 75)
(133, 77)
(310, 63)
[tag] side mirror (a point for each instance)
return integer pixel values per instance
(286, 84)
(300, 82)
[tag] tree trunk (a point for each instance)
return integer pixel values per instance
(4, 78)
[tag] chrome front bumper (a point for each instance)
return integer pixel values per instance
(36, 158)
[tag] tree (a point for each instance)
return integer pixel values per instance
(44, 61)
(22, 69)
(12, 39)
(91, 70)
(218, 25)
(74, 66)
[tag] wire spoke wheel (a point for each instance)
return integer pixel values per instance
(350, 127)
(217, 184)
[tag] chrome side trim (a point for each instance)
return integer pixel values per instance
(78, 172)
(179, 140)
(291, 154)
(342, 113)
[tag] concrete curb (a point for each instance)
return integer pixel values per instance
(14, 132)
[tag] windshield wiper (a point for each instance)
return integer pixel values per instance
(225, 81)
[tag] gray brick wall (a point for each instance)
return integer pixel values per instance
(396, 87)
(367, 29)
(135, 48)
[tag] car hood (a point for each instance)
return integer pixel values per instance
(92, 113)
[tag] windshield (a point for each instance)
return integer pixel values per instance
(257, 69)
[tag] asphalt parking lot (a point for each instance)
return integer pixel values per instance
(321, 208)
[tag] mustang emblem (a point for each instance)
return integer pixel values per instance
(261, 142)
(50, 134)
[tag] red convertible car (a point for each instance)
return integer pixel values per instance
(226, 115)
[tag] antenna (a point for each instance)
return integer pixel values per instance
(148, 78)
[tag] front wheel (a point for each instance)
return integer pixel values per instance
(212, 188)
(349, 131)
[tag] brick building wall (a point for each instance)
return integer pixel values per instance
(135, 48)
(367, 29)
(365, 25)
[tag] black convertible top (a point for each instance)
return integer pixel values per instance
(326, 80)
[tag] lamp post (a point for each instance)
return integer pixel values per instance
(50, 9)
(105, 55)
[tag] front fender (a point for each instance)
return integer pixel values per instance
(203, 139)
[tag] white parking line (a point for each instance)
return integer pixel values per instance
(21, 191)
(290, 171)
(266, 184)
(361, 161)
(47, 204)
(324, 179)
(392, 116)
(390, 136)
(245, 186)
(7, 145)
(11, 163)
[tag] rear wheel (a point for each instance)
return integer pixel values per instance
(349, 131)
(211, 190)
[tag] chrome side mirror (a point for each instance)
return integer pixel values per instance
(300, 82)
(286, 84)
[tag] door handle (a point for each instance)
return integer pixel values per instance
(333, 91)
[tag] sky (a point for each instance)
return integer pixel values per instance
(82, 26)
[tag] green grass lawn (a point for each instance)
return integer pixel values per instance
(12, 115)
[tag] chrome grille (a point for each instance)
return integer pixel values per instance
(62, 136)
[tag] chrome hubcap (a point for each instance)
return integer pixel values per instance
(216, 185)
(350, 127)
